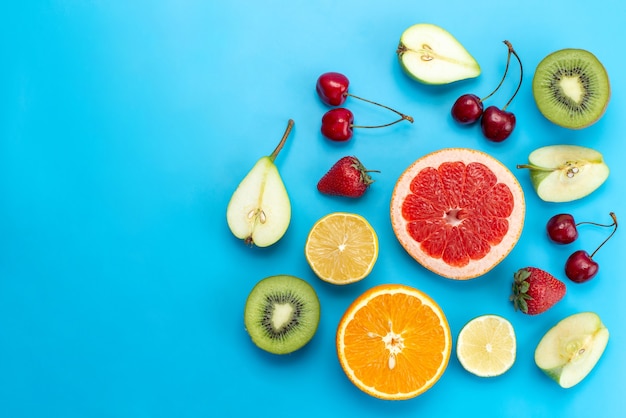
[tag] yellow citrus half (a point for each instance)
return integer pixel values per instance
(486, 346)
(458, 212)
(342, 248)
(393, 342)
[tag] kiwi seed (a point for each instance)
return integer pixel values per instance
(282, 314)
(571, 88)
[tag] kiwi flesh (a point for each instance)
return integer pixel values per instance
(282, 314)
(571, 88)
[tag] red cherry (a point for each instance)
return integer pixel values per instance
(562, 229)
(467, 109)
(580, 267)
(332, 88)
(337, 124)
(497, 124)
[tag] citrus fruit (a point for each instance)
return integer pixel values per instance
(486, 346)
(341, 248)
(458, 212)
(393, 342)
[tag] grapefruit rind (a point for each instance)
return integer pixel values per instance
(358, 304)
(497, 253)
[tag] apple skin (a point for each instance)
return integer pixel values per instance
(570, 350)
(563, 173)
(431, 55)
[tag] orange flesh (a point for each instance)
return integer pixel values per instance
(457, 212)
(395, 344)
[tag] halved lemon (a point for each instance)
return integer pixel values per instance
(486, 346)
(341, 248)
(394, 342)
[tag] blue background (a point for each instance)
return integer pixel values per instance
(125, 126)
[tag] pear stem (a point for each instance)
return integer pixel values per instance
(403, 116)
(506, 70)
(614, 224)
(521, 73)
(280, 145)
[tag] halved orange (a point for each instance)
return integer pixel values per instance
(458, 212)
(393, 342)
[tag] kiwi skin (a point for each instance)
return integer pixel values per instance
(563, 109)
(287, 299)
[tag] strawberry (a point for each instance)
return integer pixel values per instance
(535, 290)
(347, 177)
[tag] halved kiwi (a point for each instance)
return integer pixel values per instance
(571, 88)
(282, 314)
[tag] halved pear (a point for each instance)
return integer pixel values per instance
(571, 349)
(431, 55)
(562, 173)
(259, 210)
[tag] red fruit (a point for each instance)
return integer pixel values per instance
(497, 124)
(337, 124)
(467, 109)
(332, 88)
(561, 228)
(535, 290)
(580, 267)
(347, 177)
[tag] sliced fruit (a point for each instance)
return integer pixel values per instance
(259, 211)
(571, 88)
(341, 248)
(458, 212)
(571, 349)
(394, 342)
(562, 173)
(486, 346)
(282, 314)
(431, 55)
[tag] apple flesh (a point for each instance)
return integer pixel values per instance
(431, 55)
(259, 211)
(562, 173)
(571, 349)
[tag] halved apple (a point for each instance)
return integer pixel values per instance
(571, 349)
(431, 55)
(562, 173)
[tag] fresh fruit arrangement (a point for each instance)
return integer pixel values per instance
(458, 212)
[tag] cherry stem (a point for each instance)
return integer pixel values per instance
(521, 73)
(404, 117)
(506, 70)
(614, 225)
(280, 145)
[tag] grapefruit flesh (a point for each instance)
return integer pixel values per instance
(458, 212)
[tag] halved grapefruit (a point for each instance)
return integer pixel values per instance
(458, 212)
